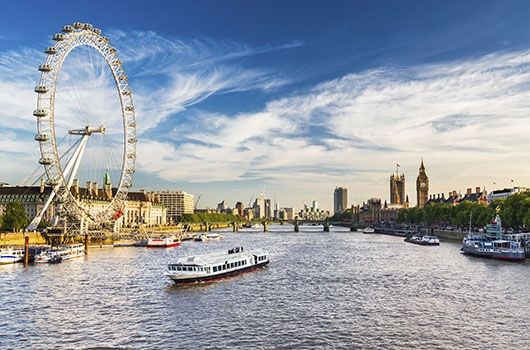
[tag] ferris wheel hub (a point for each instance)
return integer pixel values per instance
(88, 130)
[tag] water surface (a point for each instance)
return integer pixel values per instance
(339, 290)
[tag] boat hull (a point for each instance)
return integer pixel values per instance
(168, 245)
(6, 260)
(507, 256)
(220, 276)
(421, 242)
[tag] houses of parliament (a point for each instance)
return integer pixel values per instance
(397, 188)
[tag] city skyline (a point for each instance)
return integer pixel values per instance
(225, 108)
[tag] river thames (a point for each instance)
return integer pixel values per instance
(340, 290)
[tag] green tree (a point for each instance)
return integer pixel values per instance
(14, 217)
(198, 218)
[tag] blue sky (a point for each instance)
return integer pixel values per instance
(299, 96)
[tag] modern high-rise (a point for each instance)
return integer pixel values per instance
(422, 187)
(340, 199)
(259, 207)
(177, 203)
(397, 189)
(268, 209)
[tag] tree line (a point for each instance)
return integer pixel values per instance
(14, 217)
(198, 218)
(514, 211)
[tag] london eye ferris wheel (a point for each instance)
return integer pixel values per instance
(86, 125)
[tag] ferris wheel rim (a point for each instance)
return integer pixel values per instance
(73, 36)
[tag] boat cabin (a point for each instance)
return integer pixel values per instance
(218, 264)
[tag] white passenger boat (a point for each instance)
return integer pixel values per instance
(163, 242)
(11, 255)
(368, 230)
(210, 267)
(61, 253)
(205, 237)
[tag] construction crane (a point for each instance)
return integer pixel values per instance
(197, 201)
(250, 201)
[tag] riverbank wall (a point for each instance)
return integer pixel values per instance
(450, 235)
(17, 238)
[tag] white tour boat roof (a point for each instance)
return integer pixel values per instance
(213, 258)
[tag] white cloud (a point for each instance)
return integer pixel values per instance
(167, 75)
(468, 118)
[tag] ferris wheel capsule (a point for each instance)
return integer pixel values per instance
(41, 89)
(88, 26)
(45, 161)
(58, 37)
(68, 29)
(50, 50)
(41, 137)
(96, 30)
(39, 112)
(52, 182)
(45, 68)
(78, 25)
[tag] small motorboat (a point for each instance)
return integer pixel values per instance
(368, 230)
(205, 237)
(423, 240)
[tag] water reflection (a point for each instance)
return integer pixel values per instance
(334, 290)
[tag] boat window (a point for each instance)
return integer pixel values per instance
(215, 269)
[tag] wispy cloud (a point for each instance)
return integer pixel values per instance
(167, 75)
(458, 115)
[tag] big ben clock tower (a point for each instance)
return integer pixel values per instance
(422, 187)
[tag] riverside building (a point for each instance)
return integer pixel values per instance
(505, 193)
(139, 209)
(177, 203)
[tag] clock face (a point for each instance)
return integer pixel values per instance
(423, 185)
